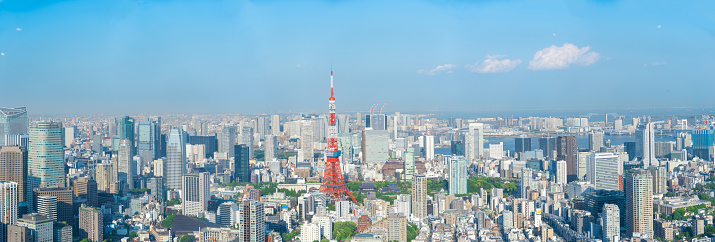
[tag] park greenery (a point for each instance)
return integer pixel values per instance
(344, 230)
(412, 231)
(168, 221)
(173, 202)
(290, 236)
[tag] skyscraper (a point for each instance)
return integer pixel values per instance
(195, 193)
(375, 144)
(639, 202)
(429, 147)
(91, 223)
(227, 214)
(251, 221)
(595, 141)
(659, 175)
(157, 188)
(561, 170)
(126, 130)
(13, 167)
(548, 145)
(149, 133)
(47, 206)
(275, 125)
(376, 121)
(419, 196)
(46, 166)
(306, 140)
(703, 141)
(13, 121)
(247, 139)
(86, 187)
(176, 158)
(474, 142)
(269, 147)
(457, 175)
(40, 226)
(242, 168)
(645, 144)
(8, 205)
(522, 144)
(610, 223)
(566, 150)
(65, 201)
(226, 140)
(103, 174)
(457, 148)
(125, 168)
(603, 171)
(409, 163)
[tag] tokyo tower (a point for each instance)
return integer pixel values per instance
(333, 182)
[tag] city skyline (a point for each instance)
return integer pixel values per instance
(252, 57)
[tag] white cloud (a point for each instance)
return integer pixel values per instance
(18, 29)
(298, 65)
(659, 26)
(494, 64)
(555, 57)
(446, 67)
(554, 34)
(2, 53)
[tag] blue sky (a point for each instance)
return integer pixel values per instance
(274, 56)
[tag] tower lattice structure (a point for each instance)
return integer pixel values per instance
(333, 182)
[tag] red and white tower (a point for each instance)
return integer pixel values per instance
(333, 182)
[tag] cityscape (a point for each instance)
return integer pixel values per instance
(187, 121)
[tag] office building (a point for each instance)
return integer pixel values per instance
(610, 223)
(176, 158)
(275, 125)
(63, 233)
(419, 196)
(46, 155)
(227, 214)
(13, 121)
(568, 151)
(326, 226)
(91, 223)
(251, 221)
(457, 148)
(8, 205)
(195, 193)
(659, 175)
(457, 174)
(310, 232)
(561, 172)
(603, 171)
(65, 201)
(210, 144)
(16, 233)
(125, 169)
(522, 144)
(409, 163)
(474, 142)
(703, 141)
(343, 210)
(306, 140)
(103, 174)
(242, 169)
(645, 144)
(13, 167)
(149, 138)
(639, 202)
(247, 139)
(595, 141)
(376, 121)
(548, 146)
(85, 187)
(375, 144)
(70, 133)
(47, 206)
(41, 227)
(226, 140)
(21, 140)
(269, 147)
(126, 129)
(429, 147)
(157, 189)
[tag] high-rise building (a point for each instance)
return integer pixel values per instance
(13, 167)
(567, 150)
(47, 206)
(65, 201)
(457, 148)
(548, 146)
(659, 175)
(242, 169)
(474, 142)
(46, 166)
(610, 223)
(343, 210)
(703, 142)
(226, 140)
(126, 129)
(16, 233)
(8, 205)
(522, 144)
(70, 135)
(603, 171)
(195, 193)
(326, 226)
(86, 187)
(375, 144)
(526, 182)
(40, 226)
(419, 196)
(103, 174)
(13, 121)
(149, 133)
(429, 147)
(376, 121)
(639, 202)
(306, 140)
(227, 214)
(157, 188)
(247, 139)
(251, 221)
(561, 170)
(457, 175)
(275, 125)
(210, 144)
(269, 147)
(409, 163)
(176, 158)
(595, 141)
(62, 233)
(645, 144)
(91, 223)
(125, 162)
(630, 148)
(310, 232)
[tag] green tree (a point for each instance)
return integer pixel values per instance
(186, 238)
(173, 202)
(344, 230)
(412, 231)
(132, 234)
(85, 240)
(290, 236)
(169, 221)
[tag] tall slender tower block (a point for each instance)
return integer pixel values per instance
(333, 182)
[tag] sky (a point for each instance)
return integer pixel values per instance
(105, 57)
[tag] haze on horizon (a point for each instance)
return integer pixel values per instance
(274, 56)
